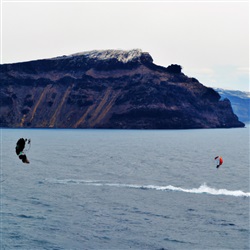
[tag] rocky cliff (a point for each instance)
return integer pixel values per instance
(108, 89)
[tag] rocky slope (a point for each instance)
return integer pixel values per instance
(108, 89)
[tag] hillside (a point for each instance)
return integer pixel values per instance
(240, 102)
(108, 89)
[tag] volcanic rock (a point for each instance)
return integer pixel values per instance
(108, 89)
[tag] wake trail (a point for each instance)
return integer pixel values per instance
(203, 189)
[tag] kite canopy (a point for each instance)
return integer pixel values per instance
(219, 161)
(21, 149)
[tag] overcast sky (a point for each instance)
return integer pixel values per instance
(210, 40)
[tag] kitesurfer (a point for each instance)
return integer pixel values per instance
(219, 161)
(20, 145)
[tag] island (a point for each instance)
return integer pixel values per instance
(111, 89)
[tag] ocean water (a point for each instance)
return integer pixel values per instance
(125, 189)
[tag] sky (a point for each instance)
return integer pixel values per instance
(209, 39)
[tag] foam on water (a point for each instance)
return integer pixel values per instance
(203, 189)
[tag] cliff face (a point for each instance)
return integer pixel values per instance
(108, 89)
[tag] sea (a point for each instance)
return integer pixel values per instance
(125, 189)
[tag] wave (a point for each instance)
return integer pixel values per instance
(203, 189)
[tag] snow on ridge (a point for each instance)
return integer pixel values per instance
(122, 55)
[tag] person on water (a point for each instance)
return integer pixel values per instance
(20, 145)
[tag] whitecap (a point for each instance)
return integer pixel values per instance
(203, 189)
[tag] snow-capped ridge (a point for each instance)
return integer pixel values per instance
(123, 56)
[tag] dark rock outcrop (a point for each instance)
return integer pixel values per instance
(108, 89)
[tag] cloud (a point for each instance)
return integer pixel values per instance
(203, 71)
(242, 71)
(224, 76)
(206, 71)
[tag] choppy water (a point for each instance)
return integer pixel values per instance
(125, 189)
